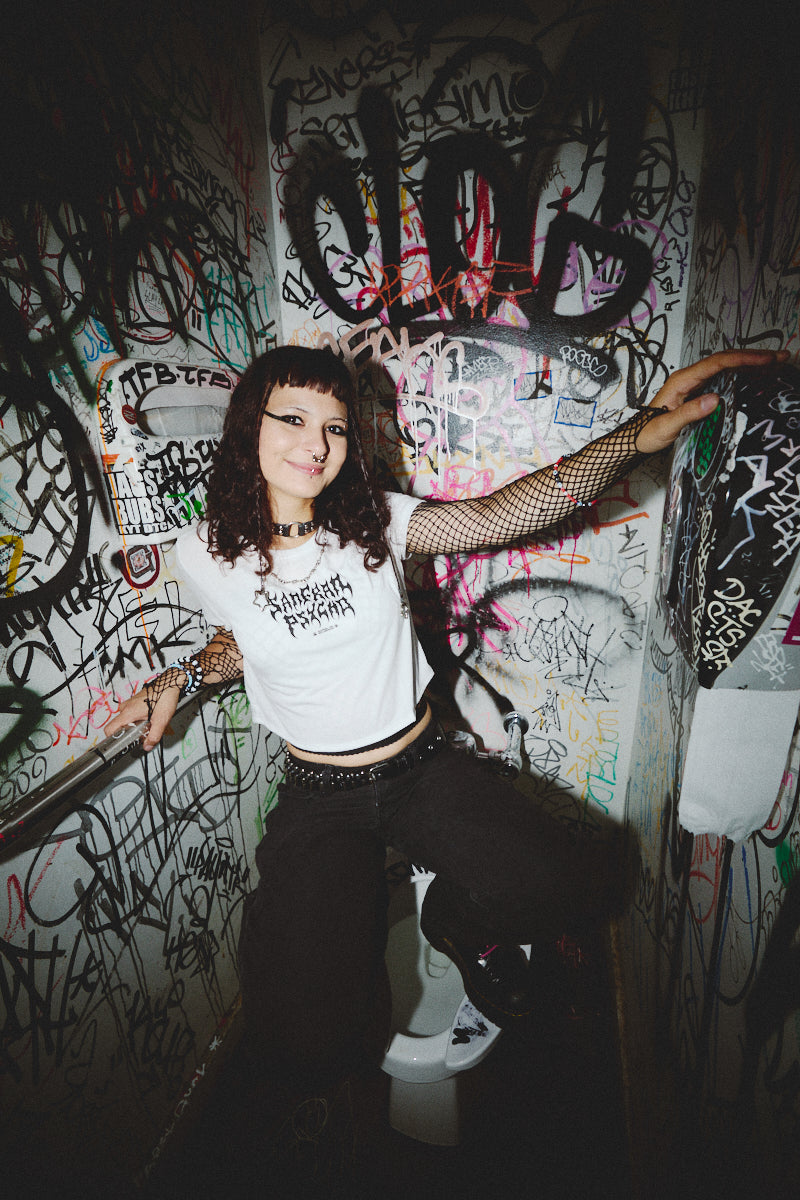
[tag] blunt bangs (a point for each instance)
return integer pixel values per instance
(302, 366)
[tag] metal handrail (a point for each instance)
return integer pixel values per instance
(25, 811)
(22, 814)
(28, 810)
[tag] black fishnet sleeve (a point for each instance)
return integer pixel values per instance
(218, 662)
(529, 504)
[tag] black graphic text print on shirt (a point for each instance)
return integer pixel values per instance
(317, 604)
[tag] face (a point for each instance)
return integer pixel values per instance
(302, 447)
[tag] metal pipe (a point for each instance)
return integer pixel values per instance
(508, 761)
(24, 812)
(515, 726)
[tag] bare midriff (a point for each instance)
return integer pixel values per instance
(365, 758)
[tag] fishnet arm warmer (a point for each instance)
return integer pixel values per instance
(219, 661)
(531, 503)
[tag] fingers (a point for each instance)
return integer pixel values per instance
(662, 431)
(684, 382)
(159, 722)
(156, 705)
(130, 713)
(679, 396)
(141, 708)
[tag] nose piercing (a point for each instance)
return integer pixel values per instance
(318, 460)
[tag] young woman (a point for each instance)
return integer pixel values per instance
(297, 567)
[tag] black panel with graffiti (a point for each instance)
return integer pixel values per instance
(732, 524)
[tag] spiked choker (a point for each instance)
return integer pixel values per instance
(301, 528)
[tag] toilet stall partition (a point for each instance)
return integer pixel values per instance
(731, 585)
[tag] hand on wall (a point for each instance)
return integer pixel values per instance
(680, 394)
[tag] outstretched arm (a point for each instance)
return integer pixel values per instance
(538, 500)
(219, 661)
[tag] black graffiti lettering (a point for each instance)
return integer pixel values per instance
(323, 172)
(157, 1035)
(164, 374)
(34, 1013)
(215, 862)
(129, 377)
(46, 419)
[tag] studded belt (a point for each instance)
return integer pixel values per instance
(327, 777)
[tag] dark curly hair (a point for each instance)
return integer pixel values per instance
(238, 510)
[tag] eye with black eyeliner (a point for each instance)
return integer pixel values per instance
(287, 418)
(295, 419)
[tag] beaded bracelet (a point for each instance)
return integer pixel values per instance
(190, 665)
(559, 481)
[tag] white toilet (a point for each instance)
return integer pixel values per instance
(436, 1031)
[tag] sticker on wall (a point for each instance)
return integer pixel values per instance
(140, 566)
(159, 424)
(571, 410)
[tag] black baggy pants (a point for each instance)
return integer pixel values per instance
(314, 931)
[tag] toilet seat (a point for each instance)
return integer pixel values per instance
(422, 1051)
(472, 1036)
(417, 1059)
(437, 1056)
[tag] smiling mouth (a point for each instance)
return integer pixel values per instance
(307, 469)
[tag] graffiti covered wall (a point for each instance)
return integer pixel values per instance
(134, 221)
(712, 939)
(489, 214)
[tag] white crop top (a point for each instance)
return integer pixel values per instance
(331, 663)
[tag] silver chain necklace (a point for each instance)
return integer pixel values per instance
(261, 598)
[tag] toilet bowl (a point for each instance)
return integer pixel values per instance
(436, 1032)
